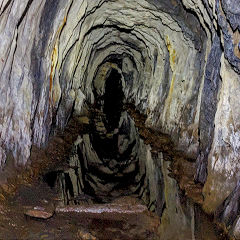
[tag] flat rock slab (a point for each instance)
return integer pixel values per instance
(112, 221)
(103, 208)
(39, 212)
(104, 211)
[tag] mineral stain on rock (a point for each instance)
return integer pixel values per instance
(108, 108)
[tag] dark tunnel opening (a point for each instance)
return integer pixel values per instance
(115, 160)
(113, 100)
(110, 159)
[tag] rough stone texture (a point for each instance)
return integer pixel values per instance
(232, 11)
(168, 54)
(209, 107)
(39, 212)
(223, 161)
(228, 212)
(236, 229)
(109, 165)
(63, 53)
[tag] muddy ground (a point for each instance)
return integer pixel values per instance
(30, 209)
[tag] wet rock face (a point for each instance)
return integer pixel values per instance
(51, 52)
(111, 160)
(179, 63)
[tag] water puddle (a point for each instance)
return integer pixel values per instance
(106, 165)
(115, 167)
(119, 180)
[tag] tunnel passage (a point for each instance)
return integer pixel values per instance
(179, 66)
(113, 100)
(111, 160)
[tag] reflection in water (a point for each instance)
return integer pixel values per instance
(112, 161)
(108, 165)
(104, 166)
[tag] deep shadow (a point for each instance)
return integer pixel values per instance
(113, 100)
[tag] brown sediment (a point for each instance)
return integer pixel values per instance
(121, 220)
(124, 218)
(27, 204)
(44, 159)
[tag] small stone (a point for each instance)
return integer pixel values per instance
(39, 212)
(116, 130)
(84, 120)
(2, 197)
(109, 135)
(45, 201)
(84, 235)
(130, 169)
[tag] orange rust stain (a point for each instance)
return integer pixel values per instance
(172, 86)
(172, 60)
(50, 85)
(172, 53)
(174, 3)
(54, 55)
(236, 41)
(54, 60)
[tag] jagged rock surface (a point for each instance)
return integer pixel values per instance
(179, 62)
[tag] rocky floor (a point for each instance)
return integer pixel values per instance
(35, 212)
(30, 209)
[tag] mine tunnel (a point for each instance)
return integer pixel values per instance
(119, 119)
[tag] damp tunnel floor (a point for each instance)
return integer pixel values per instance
(51, 199)
(33, 207)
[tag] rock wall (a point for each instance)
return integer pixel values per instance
(179, 60)
(52, 59)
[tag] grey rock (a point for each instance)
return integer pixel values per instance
(39, 212)
(209, 107)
